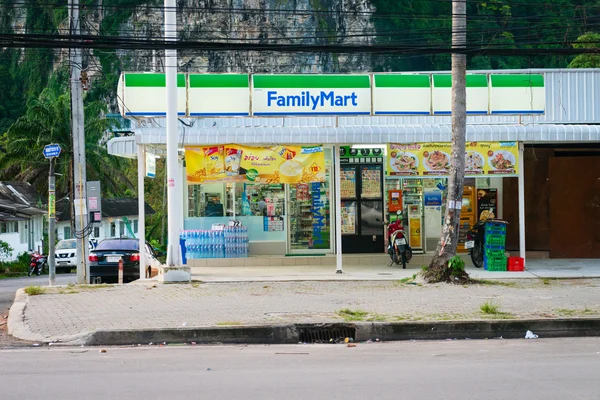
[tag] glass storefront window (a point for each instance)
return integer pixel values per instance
(304, 207)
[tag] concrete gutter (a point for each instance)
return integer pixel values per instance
(291, 333)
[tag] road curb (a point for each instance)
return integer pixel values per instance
(298, 333)
(16, 318)
(18, 328)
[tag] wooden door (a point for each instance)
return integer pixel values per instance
(575, 207)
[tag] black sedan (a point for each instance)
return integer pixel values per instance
(104, 260)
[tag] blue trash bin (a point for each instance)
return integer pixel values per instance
(183, 255)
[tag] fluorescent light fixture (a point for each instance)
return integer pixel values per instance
(368, 146)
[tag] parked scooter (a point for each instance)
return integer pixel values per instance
(398, 247)
(37, 264)
(475, 242)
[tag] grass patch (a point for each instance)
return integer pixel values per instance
(67, 291)
(377, 318)
(34, 290)
(500, 315)
(490, 307)
(546, 281)
(13, 275)
(403, 281)
(94, 287)
(352, 315)
(566, 312)
(229, 323)
(488, 282)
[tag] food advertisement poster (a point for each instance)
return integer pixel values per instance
(269, 165)
(433, 159)
(487, 204)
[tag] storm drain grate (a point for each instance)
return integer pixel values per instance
(326, 333)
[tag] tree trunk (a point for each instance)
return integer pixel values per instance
(439, 269)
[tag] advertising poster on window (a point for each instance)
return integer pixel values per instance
(238, 163)
(487, 203)
(433, 159)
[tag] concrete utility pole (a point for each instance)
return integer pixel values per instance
(173, 252)
(51, 224)
(449, 239)
(79, 166)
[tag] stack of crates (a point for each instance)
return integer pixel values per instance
(494, 258)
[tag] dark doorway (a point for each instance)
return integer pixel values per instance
(574, 207)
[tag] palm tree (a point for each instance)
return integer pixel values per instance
(48, 120)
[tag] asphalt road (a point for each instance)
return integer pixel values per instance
(491, 369)
(8, 288)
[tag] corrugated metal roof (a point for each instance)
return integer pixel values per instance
(358, 134)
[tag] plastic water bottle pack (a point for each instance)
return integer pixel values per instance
(228, 242)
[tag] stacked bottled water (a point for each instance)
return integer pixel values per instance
(236, 241)
(229, 242)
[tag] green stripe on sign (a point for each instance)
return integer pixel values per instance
(518, 80)
(440, 81)
(219, 81)
(311, 81)
(413, 81)
(151, 80)
(473, 80)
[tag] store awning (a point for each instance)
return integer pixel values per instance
(276, 130)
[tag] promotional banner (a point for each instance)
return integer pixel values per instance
(433, 159)
(238, 163)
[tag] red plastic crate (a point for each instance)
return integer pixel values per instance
(516, 264)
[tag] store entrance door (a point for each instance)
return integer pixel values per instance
(362, 208)
(575, 207)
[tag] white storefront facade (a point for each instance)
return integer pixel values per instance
(357, 119)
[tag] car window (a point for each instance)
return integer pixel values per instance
(66, 244)
(118, 244)
(149, 250)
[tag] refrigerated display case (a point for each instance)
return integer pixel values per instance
(362, 208)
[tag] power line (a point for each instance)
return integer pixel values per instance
(111, 42)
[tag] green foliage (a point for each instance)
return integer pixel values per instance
(587, 41)
(47, 120)
(457, 265)
(500, 23)
(5, 249)
(18, 267)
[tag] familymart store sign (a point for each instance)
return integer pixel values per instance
(311, 94)
(231, 95)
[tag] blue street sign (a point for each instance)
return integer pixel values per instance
(51, 150)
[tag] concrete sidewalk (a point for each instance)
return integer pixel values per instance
(562, 268)
(73, 314)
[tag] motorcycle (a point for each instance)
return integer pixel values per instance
(37, 264)
(398, 248)
(475, 242)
